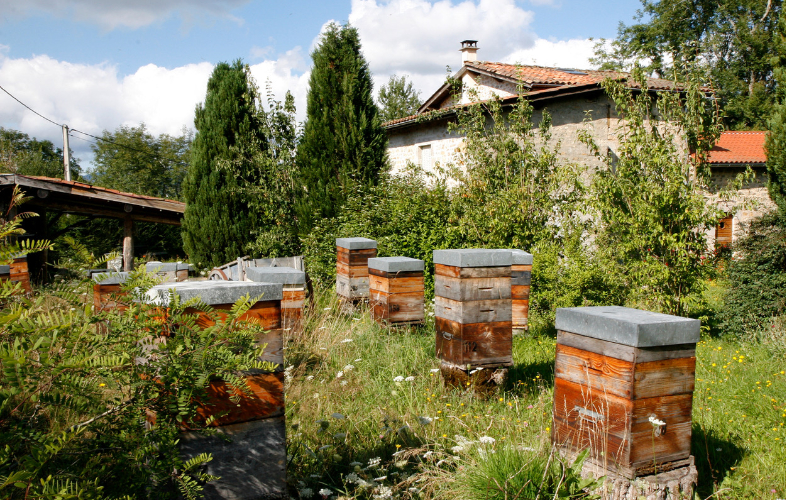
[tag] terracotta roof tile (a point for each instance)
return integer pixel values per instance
(739, 147)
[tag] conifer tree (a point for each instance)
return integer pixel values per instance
(216, 225)
(343, 144)
(776, 139)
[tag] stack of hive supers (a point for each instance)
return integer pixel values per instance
(252, 463)
(396, 287)
(294, 292)
(623, 388)
(19, 272)
(170, 271)
(106, 290)
(473, 314)
(520, 280)
(352, 267)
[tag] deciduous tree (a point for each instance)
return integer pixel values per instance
(398, 98)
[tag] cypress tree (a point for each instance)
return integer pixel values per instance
(343, 144)
(776, 139)
(216, 225)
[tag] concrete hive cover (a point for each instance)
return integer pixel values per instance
(627, 326)
(520, 258)
(356, 243)
(214, 292)
(473, 257)
(283, 275)
(110, 278)
(395, 264)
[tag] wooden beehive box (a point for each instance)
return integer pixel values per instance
(171, 272)
(615, 369)
(473, 308)
(253, 464)
(293, 294)
(352, 267)
(396, 287)
(107, 289)
(520, 281)
(19, 273)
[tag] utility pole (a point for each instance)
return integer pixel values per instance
(66, 150)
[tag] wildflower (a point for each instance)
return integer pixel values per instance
(410, 378)
(343, 382)
(325, 492)
(413, 490)
(487, 440)
(428, 454)
(339, 374)
(310, 377)
(398, 379)
(654, 421)
(434, 370)
(355, 464)
(345, 341)
(457, 449)
(338, 416)
(349, 368)
(380, 478)
(352, 478)
(306, 493)
(102, 385)
(384, 493)
(326, 309)
(374, 462)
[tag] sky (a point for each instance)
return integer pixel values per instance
(96, 65)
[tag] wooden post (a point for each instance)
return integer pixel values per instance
(128, 244)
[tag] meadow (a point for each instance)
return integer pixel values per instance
(368, 416)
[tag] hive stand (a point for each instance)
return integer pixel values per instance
(473, 315)
(352, 283)
(520, 279)
(396, 287)
(294, 292)
(253, 464)
(171, 271)
(615, 369)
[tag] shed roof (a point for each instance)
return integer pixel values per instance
(739, 148)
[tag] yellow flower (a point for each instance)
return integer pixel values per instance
(101, 385)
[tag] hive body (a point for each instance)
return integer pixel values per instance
(606, 392)
(396, 290)
(352, 278)
(293, 298)
(520, 282)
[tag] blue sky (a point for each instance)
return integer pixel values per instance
(99, 64)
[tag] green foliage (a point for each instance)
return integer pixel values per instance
(776, 139)
(271, 189)
(398, 98)
(343, 143)
(756, 276)
(217, 226)
(732, 38)
(19, 154)
(649, 194)
(132, 160)
(11, 230)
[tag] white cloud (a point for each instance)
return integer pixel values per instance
(573, 53)
(111, 14)
(93, 98)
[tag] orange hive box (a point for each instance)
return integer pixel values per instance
(352, 256)
(623, 388)
(293, 294)
(396, 288)
(520, 281)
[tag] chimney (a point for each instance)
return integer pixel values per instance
(469, 51)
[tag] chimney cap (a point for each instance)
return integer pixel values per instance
(469, 44)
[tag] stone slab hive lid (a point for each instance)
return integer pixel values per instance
(5, 269)
(356, 243)
(395, 264)
(283, 275)
(214, 292)
(473, 257)
(110, 278)
(627, 326)
(520, 258)
(165, 267)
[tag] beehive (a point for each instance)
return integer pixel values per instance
(352, 267)
(170, 271)
(617, 371)
(520, 280)
(473, 308)
(107, 290)
(253, 464)
(396, 288)
(19, 273)
(293, 294)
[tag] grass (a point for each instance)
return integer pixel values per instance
(351, 420)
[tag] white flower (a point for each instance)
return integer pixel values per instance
(339, 374)
(425, 421)
(355, 319)
(487, 439)
(325, 492)
(654, 421)
(398, 379)
(355, 464)
(428, 454)
(457, 449)
(343, 382)
(380, 478)
(434, 370)
(374, 462)
(345, 341)
(306, 493)
(316, 395)
(475, 370)
(321, 328)
(413, 490)
(359, 359)
(310, 377)
(323, 348)
(326, 309)
(352, 478)
(338, 416)
(410, 379)
(384, 493)
(349, 368)
(362, 483)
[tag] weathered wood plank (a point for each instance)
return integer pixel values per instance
(352, 288)
(355, 257)
(266, 400)
(353, 271)
(471, 272)
(396, 285)
(397, 307)
(595, 372)
(466, 289)
(519, 292)
(480, 344)
(664, 377)
(475, 311)
(628, 353)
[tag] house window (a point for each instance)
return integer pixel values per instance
(723, 231)
(424, 157)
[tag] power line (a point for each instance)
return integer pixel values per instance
(149, 155)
